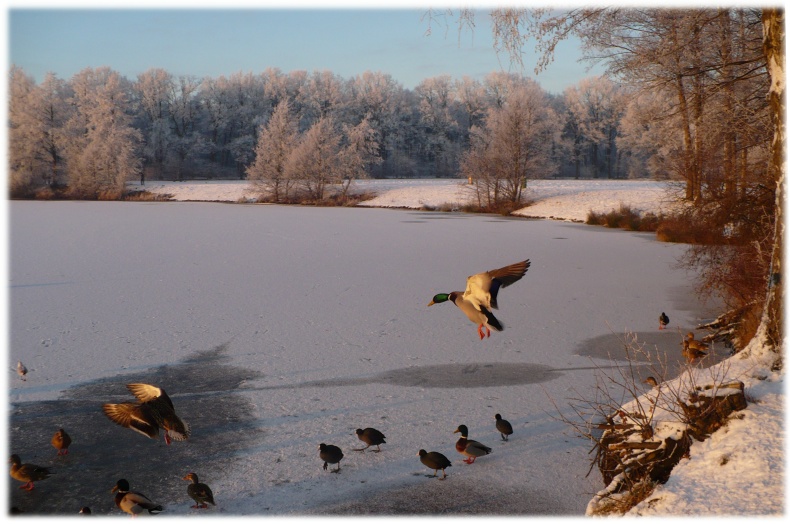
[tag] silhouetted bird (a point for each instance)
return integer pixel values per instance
(503, 426)
(663, 320)
(330, 455)
(371, 437)
(436, 461)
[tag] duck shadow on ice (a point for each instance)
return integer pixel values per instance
(223, 426)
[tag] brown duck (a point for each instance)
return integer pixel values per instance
(694, 349)
(199, 492)
(27, 473)
(153, 411)
(61, 441)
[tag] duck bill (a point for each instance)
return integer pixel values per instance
(457, 431)
(432, 303)
(114, 489)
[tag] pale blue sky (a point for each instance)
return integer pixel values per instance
(214, 42)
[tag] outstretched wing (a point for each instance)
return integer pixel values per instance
(147, 393)
(133, 416)
(482, 288)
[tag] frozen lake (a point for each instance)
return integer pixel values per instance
(277, 328)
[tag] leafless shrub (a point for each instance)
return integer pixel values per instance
(625, 218)
(620, 407)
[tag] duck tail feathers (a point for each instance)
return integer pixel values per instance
(492, 321)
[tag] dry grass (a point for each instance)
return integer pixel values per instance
(621, 503)
(145, 196)
(625, 218)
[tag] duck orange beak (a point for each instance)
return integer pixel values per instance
(432, 303)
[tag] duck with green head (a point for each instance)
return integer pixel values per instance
(481, 295)
(471, 449)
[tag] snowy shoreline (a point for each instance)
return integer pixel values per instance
(568, 200)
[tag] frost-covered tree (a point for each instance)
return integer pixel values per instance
(513, 146)
(595, 107)
(437, 107)
(650, 139)
(316, 160)
(359, 153)
(153, 90)
(324, 94)
(21, 132)
(103, 149)
(36, 117)
(471, 97)
(276, 142)
(184, 111)
(379, 98)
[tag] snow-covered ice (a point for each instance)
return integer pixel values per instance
(277, 328)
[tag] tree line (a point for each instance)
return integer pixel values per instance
(99, 129)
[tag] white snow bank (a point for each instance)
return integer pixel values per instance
(557, 199)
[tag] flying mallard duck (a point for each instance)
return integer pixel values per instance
(61, 441)
(155, 410)
(471, 448)
(330, 455)
(133, 502)
(503, 426)
(481, 295)
(436, 461)
(663, 320)
(27, 473)
(371, 437)
(199, 492)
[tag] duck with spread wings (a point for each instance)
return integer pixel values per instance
(480, 296)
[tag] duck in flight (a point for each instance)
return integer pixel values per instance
(481, 295)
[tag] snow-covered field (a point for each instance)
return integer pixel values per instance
(277, 328)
